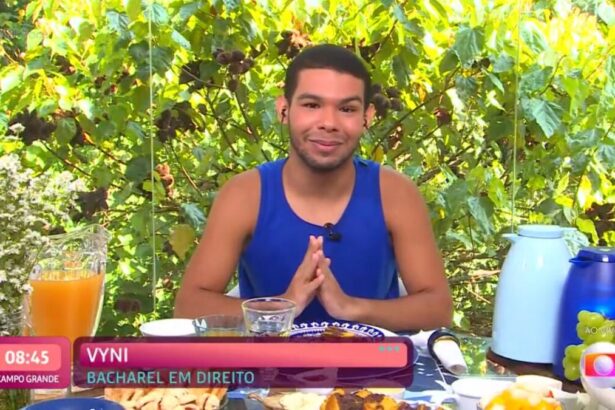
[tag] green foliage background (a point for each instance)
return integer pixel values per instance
(482, 102)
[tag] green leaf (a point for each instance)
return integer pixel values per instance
(137, 169)
(499, 127)
(82, 27)
(65, 130)
(117, 22)
(157, 13)
(438, 8)
(194, 214)
(535, 79)
(180, 40)
(139, 52)
(533, 37)
(583, 140)
(460, 237)
(134, 131)
(503, 63)
(495, 81)
(86, 124)
(161, 59)
(46, 107)
(468, 44)
(231, 4)
(133, 9)
(587, 226)
(103, 177)
(497, 192)
(400, 16)
(140, 99)
(207, 69)
(188, 10)
(401, 71)
(105, 130)
(466, 87)
(605, 154)
(11, 79)
(455, 194)
(118, 114)
(546, 113)
(448, 62)
(35, 38)
(181, 239)
(480, 214)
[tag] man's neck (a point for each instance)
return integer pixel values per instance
(298, 177)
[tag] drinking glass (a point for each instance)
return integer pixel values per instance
(219, 326)
(268, 316)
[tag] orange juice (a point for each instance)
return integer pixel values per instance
(65, 303)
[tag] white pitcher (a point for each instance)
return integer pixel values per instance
(529, 293)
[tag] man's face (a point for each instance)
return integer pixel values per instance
(326, 118)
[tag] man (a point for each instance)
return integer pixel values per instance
(323, 228)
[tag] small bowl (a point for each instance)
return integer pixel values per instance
(168, 327)
(75, 403)
(469, 392)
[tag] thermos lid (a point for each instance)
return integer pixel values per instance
(541, 231)
(598, 254)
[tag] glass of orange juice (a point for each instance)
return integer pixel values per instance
(68, 284)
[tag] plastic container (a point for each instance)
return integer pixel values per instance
(590, 286)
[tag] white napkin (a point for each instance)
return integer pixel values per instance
(446, 350)
(449, 354)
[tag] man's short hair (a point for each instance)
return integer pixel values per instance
(327, 56)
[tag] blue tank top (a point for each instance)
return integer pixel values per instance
(362, 260)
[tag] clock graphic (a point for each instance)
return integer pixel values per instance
(31, 362)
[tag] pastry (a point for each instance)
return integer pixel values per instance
(167, 398)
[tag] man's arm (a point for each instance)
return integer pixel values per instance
(429, 303)
(229, 225)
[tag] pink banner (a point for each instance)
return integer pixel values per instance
(28, 362)
(230, 355)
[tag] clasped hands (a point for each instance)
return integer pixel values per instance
(314, 278)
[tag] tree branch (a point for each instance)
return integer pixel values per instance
(183, 170)
(252, 130)
(456, 161)
(552, 76)
(71, 165)
(224, 134)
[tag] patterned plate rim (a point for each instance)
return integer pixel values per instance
(359, 328)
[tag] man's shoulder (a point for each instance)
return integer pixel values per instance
(393, 179)
(399, 193)
(242, 186)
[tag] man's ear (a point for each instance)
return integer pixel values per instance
(281, 107)
(369, 115)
